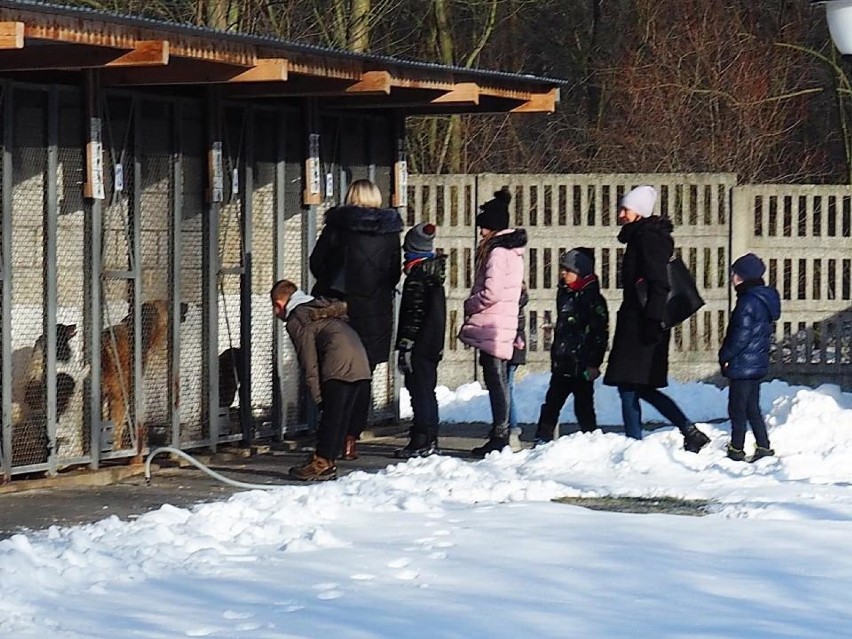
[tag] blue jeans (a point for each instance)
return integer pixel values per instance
(744, 406)
(631, 412)
(513, 413)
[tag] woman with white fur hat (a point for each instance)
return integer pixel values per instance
(639, 359)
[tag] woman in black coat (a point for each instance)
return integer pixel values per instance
(357, 258)
(639, 358)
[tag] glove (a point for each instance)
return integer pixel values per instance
(651, 330)
(403, 362)
(591, 373)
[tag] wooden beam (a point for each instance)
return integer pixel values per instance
(72, 56)
(11, 35)
(266, 70)
(148, 53)
(462, 93)
(372, 82)
(184, 71)
(539, 103)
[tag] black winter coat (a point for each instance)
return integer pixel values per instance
(632, 362)
(582, 330)
(519, 356)
(357, 259)
(745, 348)
(423, 310)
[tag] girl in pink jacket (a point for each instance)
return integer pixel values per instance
(491, 310)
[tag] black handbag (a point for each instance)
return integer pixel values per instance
(683, 301)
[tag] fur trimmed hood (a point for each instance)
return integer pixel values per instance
(365, 220)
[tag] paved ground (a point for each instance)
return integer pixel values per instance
(67, 503)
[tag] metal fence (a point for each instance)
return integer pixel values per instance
(803, 233)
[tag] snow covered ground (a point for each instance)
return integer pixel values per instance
(444, 547)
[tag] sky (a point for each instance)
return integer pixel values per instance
(448, 547)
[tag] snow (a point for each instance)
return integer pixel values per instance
(445, 547)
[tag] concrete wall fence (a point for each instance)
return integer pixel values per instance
(803, 233)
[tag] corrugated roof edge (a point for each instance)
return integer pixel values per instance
(269, 41)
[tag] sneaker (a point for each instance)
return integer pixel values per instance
(515, 441)
(315, 469)
(735, 453)
(494, 443)
(413, 450)
(760, 453)
(694, 440)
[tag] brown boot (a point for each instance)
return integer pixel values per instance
(350, 449)
(315, 469)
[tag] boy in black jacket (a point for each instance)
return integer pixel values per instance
(420, 335)
(579, 344)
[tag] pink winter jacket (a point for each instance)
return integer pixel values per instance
(491, 311)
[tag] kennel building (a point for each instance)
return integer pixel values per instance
(155, 180)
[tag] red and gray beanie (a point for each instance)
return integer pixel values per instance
(420, 238)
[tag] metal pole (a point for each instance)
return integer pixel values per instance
(175, 283)
(94, 226)
(279, 414)
(211, 271)
(6, 278)
(137, 387)
(247, 202)
(49, 268)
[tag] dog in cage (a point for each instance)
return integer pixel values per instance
(29, 413)
(229, 376)
(117, 361)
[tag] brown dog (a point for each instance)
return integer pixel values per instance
(117, 360)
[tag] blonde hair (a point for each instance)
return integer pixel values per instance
(364, 193)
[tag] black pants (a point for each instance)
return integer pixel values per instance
(744, 406)
(340, 402)
(495, 376)
(362, 408)
(560, 388)
(421, 385)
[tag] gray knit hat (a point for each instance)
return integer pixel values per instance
(420, 238)
(580, 260)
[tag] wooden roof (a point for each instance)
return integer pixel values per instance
(132, 51)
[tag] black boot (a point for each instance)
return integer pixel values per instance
(760, 453)
(694, 440)
(544, 434)
(735, 453)
(494, 443)
(419, 445)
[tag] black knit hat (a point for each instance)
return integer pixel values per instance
(580, 260)
(749, 267)
(495, 213)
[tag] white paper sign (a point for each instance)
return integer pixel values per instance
(314, 183)
(329, 185)
(118, 178)
(96, 161)
(217, 179)
(235, 182)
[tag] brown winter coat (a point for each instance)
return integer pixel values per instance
(327, 347)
